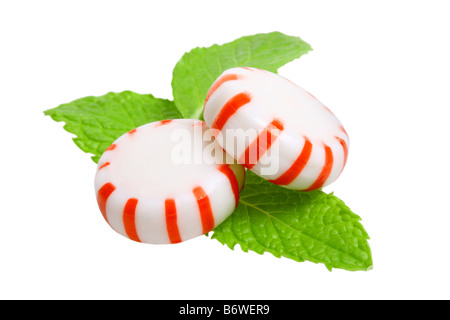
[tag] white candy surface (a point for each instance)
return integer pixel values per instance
(146, 192)
(292, 140)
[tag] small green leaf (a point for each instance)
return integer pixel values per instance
(312, 226)
(194, 74)
(99, 121)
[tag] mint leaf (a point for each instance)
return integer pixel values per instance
(98, 121)
(312, 226)
(194, 74)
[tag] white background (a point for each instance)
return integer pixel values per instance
(381, 66)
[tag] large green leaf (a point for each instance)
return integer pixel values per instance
(99, 121)
(194, 74)
(312, 226)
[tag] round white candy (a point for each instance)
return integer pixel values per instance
(276, 129)
(166, 182)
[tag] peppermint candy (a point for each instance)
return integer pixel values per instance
(150, 188)
(276, 129)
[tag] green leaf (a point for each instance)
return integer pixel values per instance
(98, 121)
(194, 74)
(312, 226)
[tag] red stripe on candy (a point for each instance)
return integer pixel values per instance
(326, 170)
(219, 82)
(129, 219)
(132, 131)
(277, 124)
(104, 165)
(102, 197)
(204, 206)
(260, 145)
(199, 124)
(162, 122)
(171, 221)
(111, 147)
(297, 167)
(226, 170)
(229, 109)
(345, 147)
